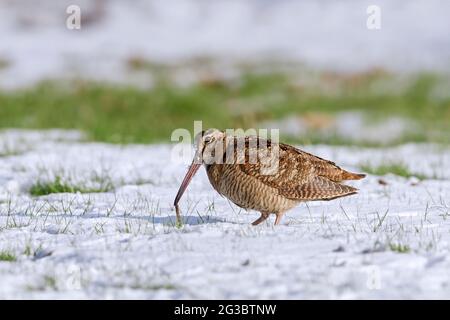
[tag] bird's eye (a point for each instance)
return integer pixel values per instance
(208, 139)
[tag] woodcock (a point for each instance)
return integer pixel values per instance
(261, 175)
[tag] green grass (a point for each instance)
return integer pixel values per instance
(7, 256)
(125, 114)
(27, 251)
(398, 169)
(57, 185)
(50, 282)
(9, 153)
(400, 248)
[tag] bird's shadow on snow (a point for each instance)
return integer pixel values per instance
(188, 220)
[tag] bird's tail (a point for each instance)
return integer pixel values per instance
(352, 176)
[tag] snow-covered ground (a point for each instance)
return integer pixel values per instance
(35, 43)
(124, 244)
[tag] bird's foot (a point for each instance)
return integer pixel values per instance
(278, 218)
(263, 218)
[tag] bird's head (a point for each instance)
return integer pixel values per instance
(206, 143)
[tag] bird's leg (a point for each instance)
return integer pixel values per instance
(278, 219)
(264, 216)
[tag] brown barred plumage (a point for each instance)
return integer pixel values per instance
(257, 174)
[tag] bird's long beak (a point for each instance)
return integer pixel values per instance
(193, 168)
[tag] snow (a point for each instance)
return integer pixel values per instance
(344, 125)
(124, 243)
(326, 34)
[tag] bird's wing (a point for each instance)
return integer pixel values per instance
(326, 168)
(296, 175)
